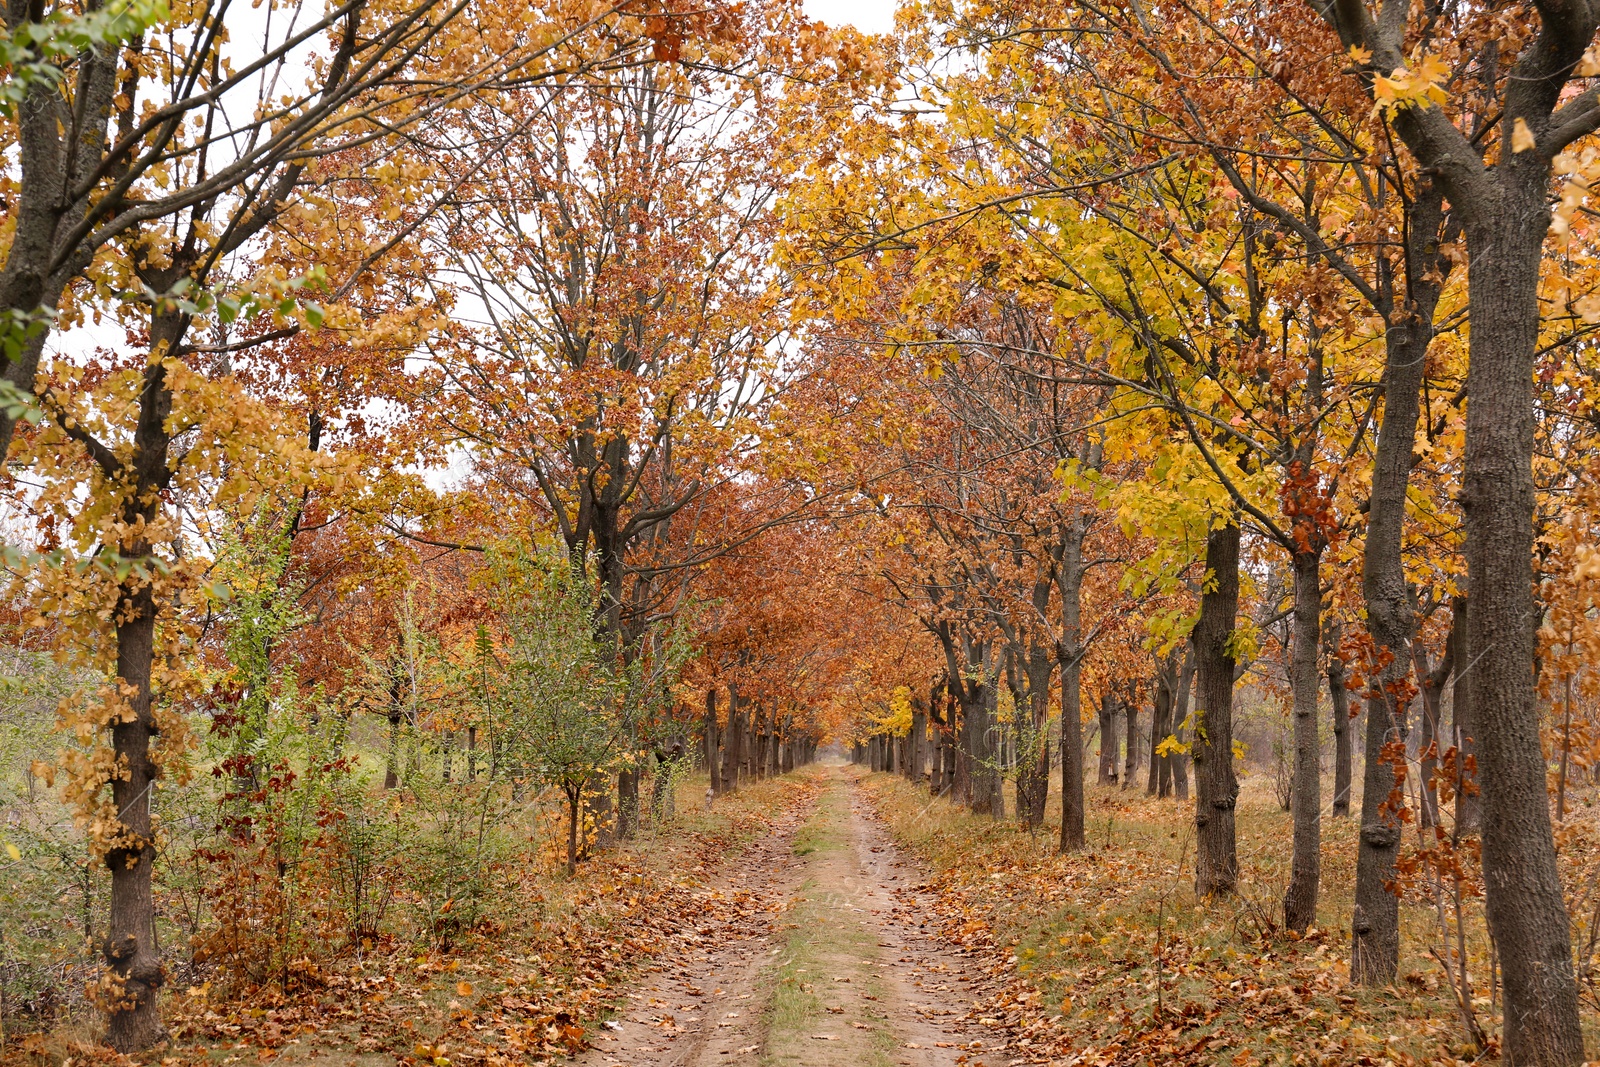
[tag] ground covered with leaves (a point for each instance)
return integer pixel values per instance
(507, 993)
(1107, 958)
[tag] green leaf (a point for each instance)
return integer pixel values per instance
(18, 405)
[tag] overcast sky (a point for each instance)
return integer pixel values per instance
(868, 16)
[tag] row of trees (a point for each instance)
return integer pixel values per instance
(279, 288)
(1190, 318)
(973, 376)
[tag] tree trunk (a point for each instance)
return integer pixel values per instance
(597, 800)
(976, 720)
(1069, 653)
(1108, 738)
(1431, 679)
(1375, 941)
(660, 788)
(1339, 695)
(732, 743)
(130, 948)
(758, 743)
(1300, 901)
(574, 804)
(1130, 709)
(391, 767)
(472, 753)
(1216, 787)
(1526, 911)
(919, 728)
(1033, 780)
(1466, 784)
(627, 804)
(713, 748)
(1159, 780)
(996, 781)
(1180, 715)
(747, 746)
(961, 779)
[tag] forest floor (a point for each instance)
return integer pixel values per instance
(835, 918)
(1106, 957)
(527, 985)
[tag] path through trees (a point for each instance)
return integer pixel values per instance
(828, 967)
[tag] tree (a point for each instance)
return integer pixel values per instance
(1498, 175)
(173, 204)
(562, 693)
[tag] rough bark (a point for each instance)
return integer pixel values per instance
(1216, 787)
(1431, 680)
(1069, 654)
(1180, 715)
(627, 803)
(130, 948)
(977, 716)
(1130, 711)
(1033, 783)
(1466, 784)
(713, 748)
(1526, 910)
(1339, 697)
(1375, 932)
(391, 764)
(1159, 783)
(1505, 213)
(1300, 901)
(1375, 924)
(59, 145)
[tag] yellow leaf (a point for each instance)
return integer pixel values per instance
(1433, 69)
(464, 989)
(1521, 137)
(13, 851)
(1590, 66)
(1360, 55)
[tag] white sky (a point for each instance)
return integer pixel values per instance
(868, 16)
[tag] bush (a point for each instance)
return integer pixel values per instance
(455, 842)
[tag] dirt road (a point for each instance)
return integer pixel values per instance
(831, 971)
